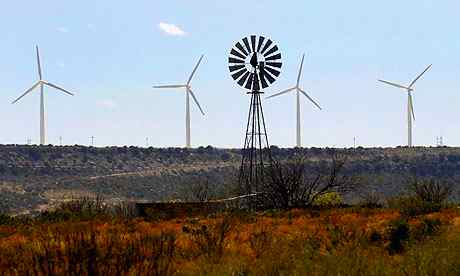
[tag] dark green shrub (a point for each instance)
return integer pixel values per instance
(398, 234)
(428, 227)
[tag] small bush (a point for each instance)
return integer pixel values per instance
(328, 200)
(398, 233)
(428, 227)
(210, 239)
(260, 241)
(423, 197)
(80, 209)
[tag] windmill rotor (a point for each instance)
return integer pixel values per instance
(255, 62)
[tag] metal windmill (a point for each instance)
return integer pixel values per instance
(254, 63)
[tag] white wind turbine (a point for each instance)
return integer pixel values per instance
(410, 105)
(41, 83)
(188, 92)
(298, 91)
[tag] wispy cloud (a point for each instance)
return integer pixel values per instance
(171, 29)
(62, 30)
(107, 103)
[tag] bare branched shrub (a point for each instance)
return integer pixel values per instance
(200, 192)
(289, 185)
(210, 239)
(81, 208)
(371, 199)
(431, 191)
(261, 240)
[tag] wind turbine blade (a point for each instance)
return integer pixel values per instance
(195, 100)
(419, 76)
(306, 95)
(194, 70)
(411, 106)
(38, 63)
(171, 86)
(58, 88)
(27, 92)
(281, 93)
(394, 84)
(300, 70)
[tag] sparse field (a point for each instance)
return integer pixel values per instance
(353, 241)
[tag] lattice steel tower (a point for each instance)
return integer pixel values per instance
(254, 63)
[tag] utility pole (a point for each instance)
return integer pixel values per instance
(28, 141)
(147, 142)
(60, 140)
(92, 140)
(354, 142)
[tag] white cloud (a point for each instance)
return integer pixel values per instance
(62, 29)
(61, 64)
(107, 103)
(171, 29)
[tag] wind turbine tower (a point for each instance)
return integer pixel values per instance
(188, 93)
(298, 91)
(42, 83)
(410, 104)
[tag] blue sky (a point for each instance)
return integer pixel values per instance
(110, 53)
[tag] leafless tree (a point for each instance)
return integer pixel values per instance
(291, 185)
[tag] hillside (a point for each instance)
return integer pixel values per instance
(33, 177)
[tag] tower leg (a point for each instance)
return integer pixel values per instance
(409, 123)
(299, 143)
(187, 121)
(42, 116)
(256, 151)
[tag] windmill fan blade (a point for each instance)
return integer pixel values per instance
(39, 63)
(419, 76)
(235, 67)
(261, 41)
(243, 79)
(300, 70)
(194, 69)
(235, 60)
(58, 88)
(269, 77)
(276, 73)
(262, 78)
(271, 51)
(249, 82)
(281, 93)
(195, 100)
(239, 73)
(246, 43)
(170, 86)
(253, 43)
(239, 46)
(275, 57)
(27, 92)
(308, 97)
(274, 64)
(236, 53)
(269, 42)
(411, 107)
(394, 84)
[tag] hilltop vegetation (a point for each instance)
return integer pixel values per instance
(33, 177)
